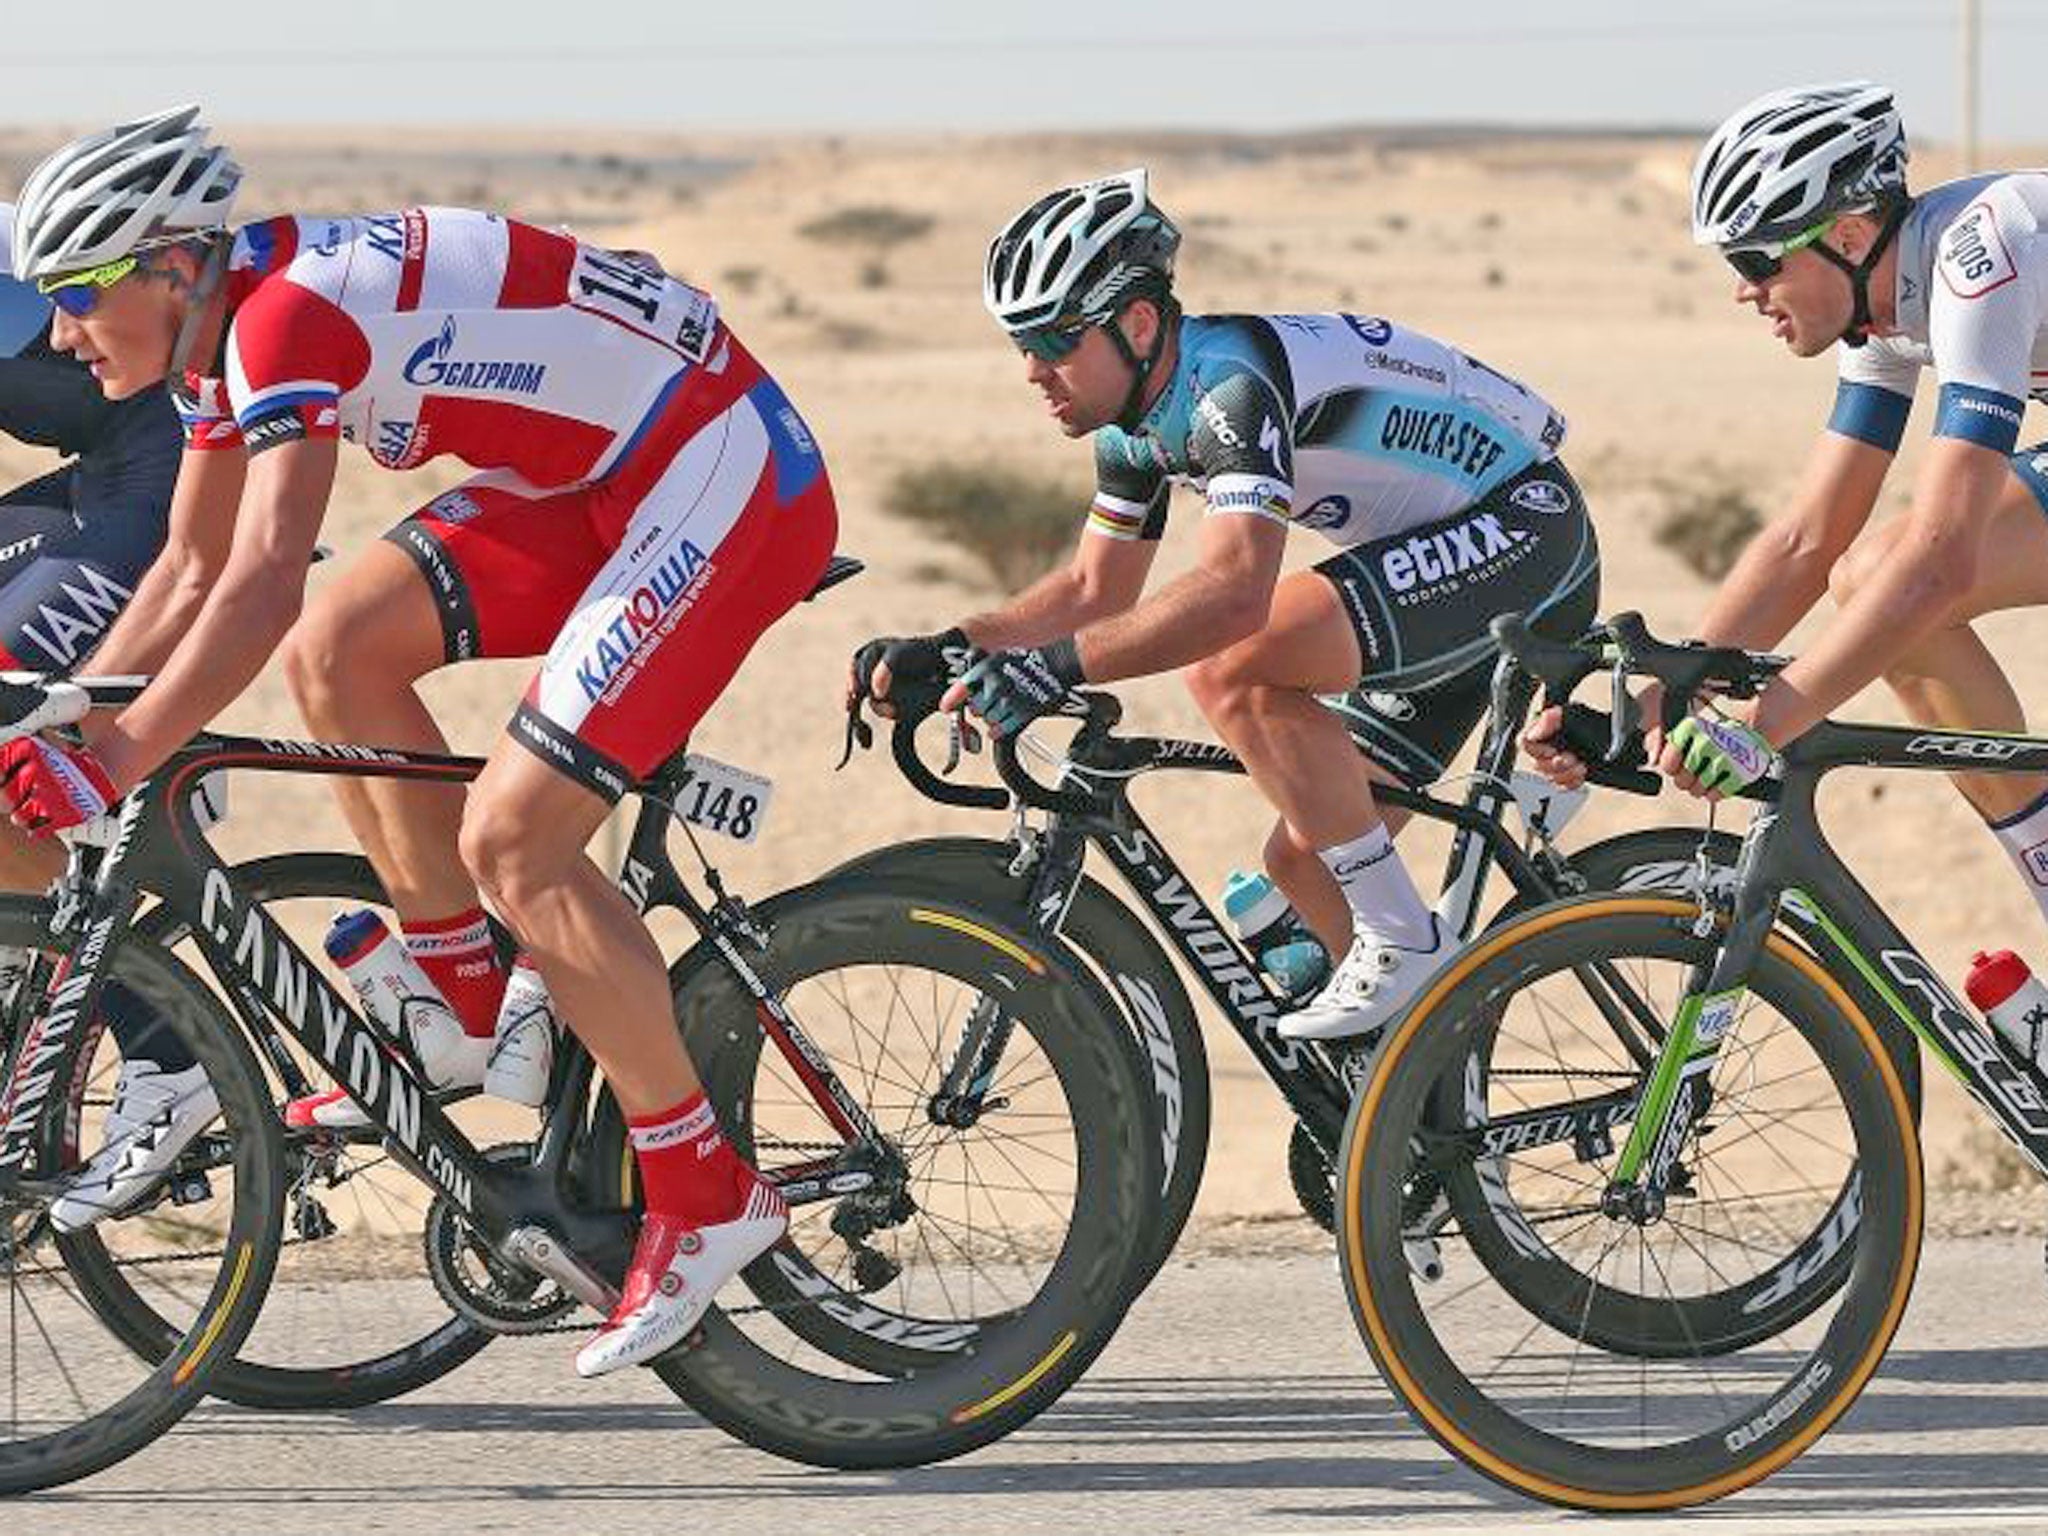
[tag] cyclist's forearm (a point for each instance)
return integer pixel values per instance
(1774, 585)
(167, 601)
(241, 624)
(1192, 617)
(1054, 606)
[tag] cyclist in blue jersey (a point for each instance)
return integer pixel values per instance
(73, 544)
(1436, 478)
(1804, 192)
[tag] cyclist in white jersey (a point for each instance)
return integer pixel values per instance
(1436, 477)
(1804, 192)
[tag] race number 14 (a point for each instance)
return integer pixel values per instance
(723, 799)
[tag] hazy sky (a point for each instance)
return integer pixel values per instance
(852, 64)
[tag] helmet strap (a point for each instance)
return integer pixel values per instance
(1133, 410)
(210, 274)
(1857, 331)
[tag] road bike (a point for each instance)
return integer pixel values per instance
(1754, 1072)
(822, 1021)
(1038, 877)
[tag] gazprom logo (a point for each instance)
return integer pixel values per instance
(431, 367)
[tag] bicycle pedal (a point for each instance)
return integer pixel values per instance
(191, 1189)
(311, 1223)
(1425, 1258)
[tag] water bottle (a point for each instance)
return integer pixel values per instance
(1274, 931)
(523, 1047)
(2013, 999)
(402, 1001)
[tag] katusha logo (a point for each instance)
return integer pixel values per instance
(431, 367)
(644, 619)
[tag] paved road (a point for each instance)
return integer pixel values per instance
(1236, 1399)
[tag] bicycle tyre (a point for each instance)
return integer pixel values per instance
(998, 1377)
(1402, 1102)
(1140, 975)
(182, 1372)
(264, 1382)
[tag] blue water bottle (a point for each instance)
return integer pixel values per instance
(1271, 929)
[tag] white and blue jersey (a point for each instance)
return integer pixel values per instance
(1972, 301)
(1348, 424)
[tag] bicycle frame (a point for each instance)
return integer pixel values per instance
(1786, 858)
(159, 849)
(1310, 1078)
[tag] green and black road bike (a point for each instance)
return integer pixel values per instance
(1037, 877)
(1734, 1096)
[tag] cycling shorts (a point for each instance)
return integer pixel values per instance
(1420, 603)
(645, 590)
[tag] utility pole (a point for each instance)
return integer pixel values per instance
(1968, 92)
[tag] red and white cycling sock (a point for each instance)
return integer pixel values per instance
(461, 961)
(688, 1170)
(2024, 836)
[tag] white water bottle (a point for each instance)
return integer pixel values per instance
(402, 1001)
(523, 1048)
(2013, 999)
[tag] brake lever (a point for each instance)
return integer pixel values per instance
(1621, 722)
(857, 731)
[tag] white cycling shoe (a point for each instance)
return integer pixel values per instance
(677, 1269)
(154, 1117)
(1370, 986)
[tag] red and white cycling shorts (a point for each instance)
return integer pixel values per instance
(645, 590)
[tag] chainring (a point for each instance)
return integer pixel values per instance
(1313, 1179)
(495, 1295)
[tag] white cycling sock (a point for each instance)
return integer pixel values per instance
(2024, 836)
(1382, 898)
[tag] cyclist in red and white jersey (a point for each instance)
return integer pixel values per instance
(649, 503)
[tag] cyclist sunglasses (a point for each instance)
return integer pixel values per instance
(1051, 343)
(1761, 262)
(79, 294)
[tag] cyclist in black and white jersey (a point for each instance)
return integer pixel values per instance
(1804, 191)
(73, 543)
(1435, 476)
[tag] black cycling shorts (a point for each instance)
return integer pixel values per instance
(1420, 602)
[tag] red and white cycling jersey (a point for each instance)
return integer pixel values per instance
(446, 331)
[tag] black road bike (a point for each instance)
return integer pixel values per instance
(1755, 1071)
(1037, 876)
(824, 1023)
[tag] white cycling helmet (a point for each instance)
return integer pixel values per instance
(1080, 253)
(1789, 159)
(138, 184)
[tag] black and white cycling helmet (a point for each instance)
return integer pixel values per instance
(1080, 254)
(105, 196)
(1789, 159)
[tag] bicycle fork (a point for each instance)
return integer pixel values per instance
(1680, 1092)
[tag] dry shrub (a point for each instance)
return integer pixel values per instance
(1987, 1162)
(874, 225)
(1708, 519)
(1018, 525)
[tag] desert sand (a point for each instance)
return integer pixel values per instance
(1562, 260)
